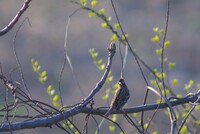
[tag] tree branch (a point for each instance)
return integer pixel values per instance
(59, 116)
(187, 99)
(49, 121)
(16, 18)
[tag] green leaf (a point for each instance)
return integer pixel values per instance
(109, 79)
(135, 115)
(83, 2)
(56, 104)
(183, 130)
(178, 95)
(64, 125)
(99, 61)
(105, 97)
(95, 55)
(171, 65)
(93, 3)
(155, 38)
(115, 86)
(114, 117)
(49, 88)
(55, 98)
(91, 14)
(196, 107)
(154, 132)
(104, 24)
(116, 26)
(43, 74)
(191, 82)
(145, 126)
(125, 37)
(174, 82)
(102, 11)
(114, 37)
(112, 128)
(167, 43)
(101, 67)
(158, 51)
(36, 63)
(35, 69)
(161, 31)
(155, 29)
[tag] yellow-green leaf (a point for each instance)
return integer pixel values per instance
(104, 24)
(158, 51)
(125, 37)
(135, 115)
(114, 37)
(191, 82)
(183, 129)
(102, 11)
(44, 73)
(83, 2)
(196, 107)
(174, 82)
(55, 98)
(101, 67)
(155, 38)
(155, 29)
(178, 95)
(49, 88)
(161, 31)
(171, 65)
(91, 14)
(154, 132)
(93, 3)
(116, 26)
(167, 43)
(105, 97)
(111, 128)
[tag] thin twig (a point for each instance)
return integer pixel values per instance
(189, 113)
(17, 59)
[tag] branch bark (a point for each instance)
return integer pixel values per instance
(16, 18)
(81, 108)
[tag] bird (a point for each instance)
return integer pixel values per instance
(120, 98)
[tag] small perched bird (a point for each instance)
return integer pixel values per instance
(120, 98)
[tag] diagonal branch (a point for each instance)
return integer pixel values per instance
(111, 49)
(16, 18)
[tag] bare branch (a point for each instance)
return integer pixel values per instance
(16, 18)
(111, 49)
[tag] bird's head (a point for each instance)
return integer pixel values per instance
(121, 82)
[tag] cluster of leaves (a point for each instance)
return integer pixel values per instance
(100, 13)
(42, 77)
(158, 36)
(159, 85)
